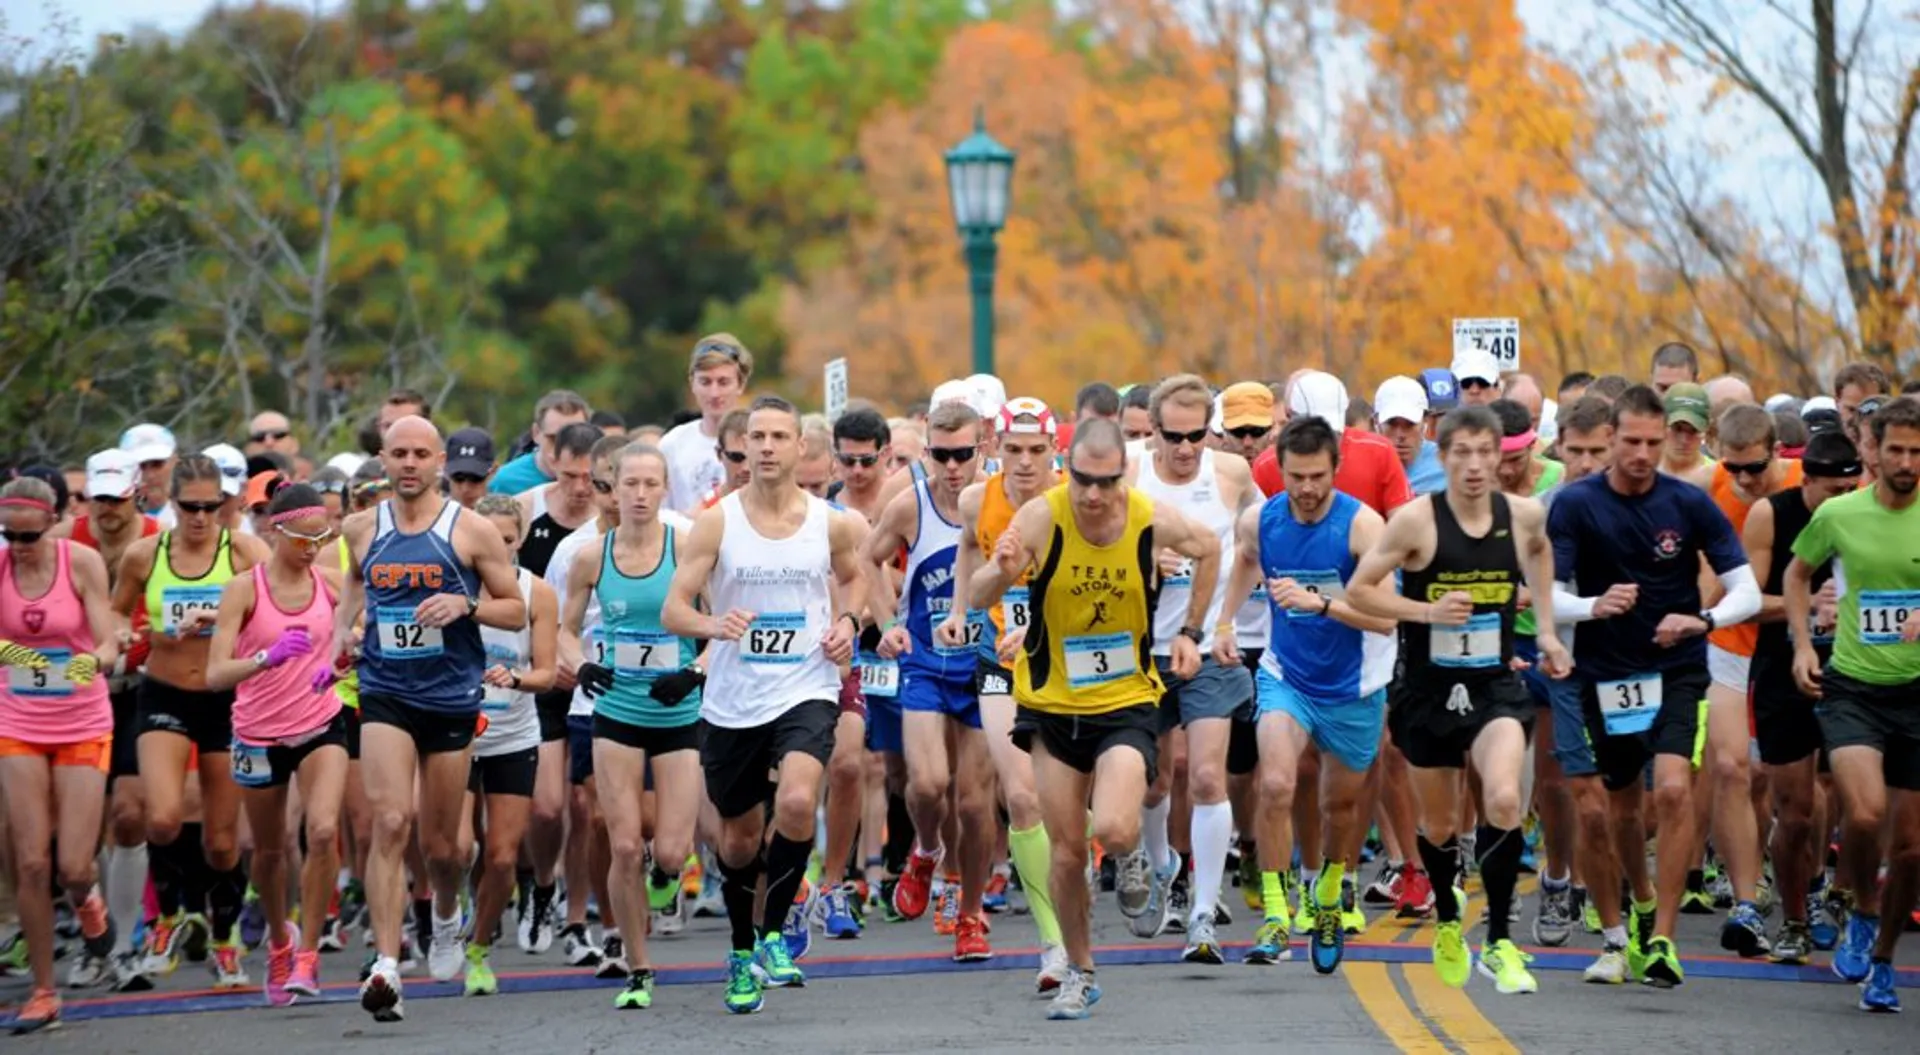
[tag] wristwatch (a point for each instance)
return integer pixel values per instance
(1707, 618)
(514, 676)
(260, 659)
(473, 605)
(854, 619)
(1193, 634)
(1326, 603)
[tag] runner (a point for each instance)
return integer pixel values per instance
(153, 448)
(767, 560)
(1400, 414)
(1865, 691)
(717, 373)
(555, 411)
(1687, 410)
(269, 647)
(56, 729)
(645, 684)
(1630, 543)
(520, 663)
(1087, 689)
(177, 576)
(469, 466)
(418, 568)
(1323, 677)
(1459, 699)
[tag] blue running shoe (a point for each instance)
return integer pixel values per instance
(1822, 922)
(1329, 939)
(743, 986)
(1852, 960)
(1878, 994)
(839, 921)
(1744, 932)
(797, 932)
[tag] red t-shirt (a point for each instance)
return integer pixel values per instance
(1370, 470)
(83, 534)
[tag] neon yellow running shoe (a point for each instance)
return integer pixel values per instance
(1451, 957)
(638, 995)
(1507, 966)
(480, 980)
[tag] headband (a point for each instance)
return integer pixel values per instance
(1522, 442)
(27, 503)
(1831, 470)
(297, 514)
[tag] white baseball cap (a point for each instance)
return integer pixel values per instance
(1400, 398)
(1818, 403)
(112, 473)
(989, 395)
(1476, 364)
(1549, 421)
(955, 391)
(1778, 401)
(347, 463)
(1317, 394)
(148, 442)
(233, 467)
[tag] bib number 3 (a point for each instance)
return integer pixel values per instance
(1098, 660)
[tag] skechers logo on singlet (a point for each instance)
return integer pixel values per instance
(1485, 587)
(400, 576)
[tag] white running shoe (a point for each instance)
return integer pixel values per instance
(448, 953)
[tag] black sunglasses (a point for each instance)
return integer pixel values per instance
(198, 507)
(1175, 439)
(1869, 407)
(1748, 468)
(715, 348)
(468, 478)
(270, 434)
(1249, 432)
(1090, 480)
(110, 500)
(953, 455)
(602, 487)
(736, 457)
(864, 461)
(21, 538)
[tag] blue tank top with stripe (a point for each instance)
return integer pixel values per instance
(433, 668)
(926, 594)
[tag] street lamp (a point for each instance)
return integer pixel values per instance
(979, 179)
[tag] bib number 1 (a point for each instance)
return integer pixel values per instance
(1473, 646)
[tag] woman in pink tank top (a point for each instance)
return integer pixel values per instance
(270, 645)
(56, 726)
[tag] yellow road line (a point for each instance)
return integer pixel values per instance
(1374, 988)
(1453, 1011)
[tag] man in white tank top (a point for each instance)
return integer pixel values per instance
(1210, 488)
(780, 569)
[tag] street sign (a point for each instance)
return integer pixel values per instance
(836, 388)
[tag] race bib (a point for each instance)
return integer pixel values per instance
(1013, 609)
(1883, 613)
(178, 603)
(596, 645)
(251, 767)
(1182, 577)
(645, 653)
(1628, 706)
(498, 698)
(1099, 659)
(777, 637)
(1816, 634)
(402, 636)
(1318, 583)
(879, 677)
(978, 629)
(50, 680)
(1473, 646)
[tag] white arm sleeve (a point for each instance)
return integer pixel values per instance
(1742, 601)
(1568, 607)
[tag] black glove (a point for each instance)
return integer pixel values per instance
(594, 680)
(670, 689)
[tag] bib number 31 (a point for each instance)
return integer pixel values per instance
(1630, 705)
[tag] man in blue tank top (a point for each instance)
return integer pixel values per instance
(1322, 678)
(417, 571)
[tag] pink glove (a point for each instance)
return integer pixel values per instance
(293, 643)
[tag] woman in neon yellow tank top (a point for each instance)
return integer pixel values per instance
(177, 576)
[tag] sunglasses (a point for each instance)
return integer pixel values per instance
(308, 542)
(952, 455)
(1475, 382)
(1175, 439)
(1869, 407)
(21, 538)
(469, 479)
(1090, 480)
(717, 349)
(270, 434)
(198, 507)
(1249, 432)
(1748, 468)
(602, 487)
(736, 457)
(336, 487)
(110, 500)
(864, 461)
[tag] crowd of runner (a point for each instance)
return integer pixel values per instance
(1652, 639)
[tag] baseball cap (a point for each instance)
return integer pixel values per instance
(1246, 404)
(1476, 365)
(1829, 453)
(955, 391)
(1027, 406)
(1317, 394)
(148, 442)
(1687, 402)
(1403, 399)
(1443, 392)
(260, 489)
(989, 394)
(112, 473)
(233, 467)
(1778, 401)
(470, 453)
(346, 463)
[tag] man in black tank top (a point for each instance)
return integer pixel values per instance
(1785, 726)
(1459, 696)
(562, 507)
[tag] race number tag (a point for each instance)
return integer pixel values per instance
(777, 637)
(402, 636)
(1181, 577)
(251, 768)
(498, 698)
(1473, 646)
(1629, 705)
(1013, 609)
(1499, 336)
(1099, 659)
(879, 677)
(1319, 583)
(645, 653)
(1884, 612)
(179, 603)
(50, 680)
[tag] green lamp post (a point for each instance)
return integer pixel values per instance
(980, 179)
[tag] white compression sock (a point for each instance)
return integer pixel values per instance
(1212, 835)
(1153, 833)
(126, 876)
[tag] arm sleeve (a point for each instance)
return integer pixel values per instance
(1568, 607)
(1742, 600)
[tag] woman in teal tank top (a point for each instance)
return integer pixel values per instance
(645, 684)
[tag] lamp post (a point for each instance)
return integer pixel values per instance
(979, 179)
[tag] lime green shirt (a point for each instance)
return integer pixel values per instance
(1879, 564)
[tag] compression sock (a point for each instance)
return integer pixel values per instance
(1443, 865)
(1212, 835)
(786, 869)
(736, 889)
(1499, 851)
(1033, 855)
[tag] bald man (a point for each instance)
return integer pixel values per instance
(427, 579)
(271, 431)
(1723, 392)
(1524, 389)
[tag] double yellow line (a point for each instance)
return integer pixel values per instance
(1446, 1019)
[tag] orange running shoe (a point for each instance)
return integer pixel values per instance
(946, 916)
(970, 941)
(42, 1012)
(915, 888)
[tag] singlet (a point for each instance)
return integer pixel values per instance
(42, 706)
(1488, 568)
(1773, 647)
(170, 596)
(544, 535)
(632, 642)
(279, 703)
(1090, 648)
(996, 515)
(1740, 638)
(777, 664)
(1879, 580)
(513, 723)
(1198, 500)
(432, 668)
(1321, 657)
(347, 687)
(136, 654)
(926, 595)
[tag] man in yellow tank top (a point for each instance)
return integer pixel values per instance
(1084, 680)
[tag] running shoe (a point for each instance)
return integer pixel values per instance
(447, 951)
(1793, 944)
(1179, 906)
(380, 994)
(280, 968)
(837, 917)
(1075, 997)
(638, 995)
(129, 973)
(1823, 922)
(1663, 965)
(1853, 957)
(89, 970)
(946, 912)
(777, 969)
(1451, 957)
(1416, 895)
(1639, 941)
(887, 910)
(1610, 969)
(673, 919)
(1053, 969)
(253, 920)
(1133, 886)
(1202, 946)
(613, 957)
(1305, 920)
(305, 977)
(13, 954)
(1329, 942)
(914, 890)
(1249, 877)
(1384, 891)
(1744, 932)
(1222, 916)
(164, 941)
(1877, 993)
(743, 984)
(1695, 900)
(577, 947)
(710, 902)
(1151, 919)
(970, 941)
(1554, 924)
(228, 970)
(1352, 919)
(42, 1012)
(479, 974)
(333, 934)
(994, 898)
(660, 895)
(1589, 915)
(1720, 885)
(1507, 966)
(1269, 943)
(1763, 898)
(797, 929)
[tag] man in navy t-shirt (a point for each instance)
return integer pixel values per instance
(1630, 543)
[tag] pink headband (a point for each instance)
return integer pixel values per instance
(298, 514)
(1522, 442)
(27, 503)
